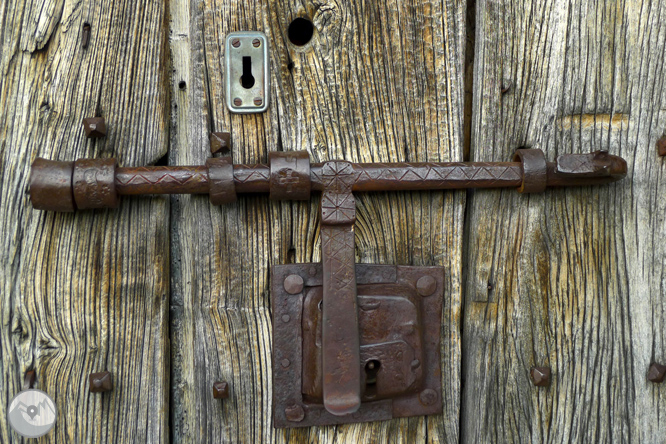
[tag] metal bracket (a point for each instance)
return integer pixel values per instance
(399, 319)
(246, 72)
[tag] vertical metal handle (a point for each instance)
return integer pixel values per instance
(340, 332)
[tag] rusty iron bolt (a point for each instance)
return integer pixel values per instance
(235, 43)
(220, 390)
(101, 382)
(661, 146)
(294, 413)
(220, 142)
(293, 284)
(428, 397)
(95, 127)
(258, 101)
(657, 373)
(426, 285)
(540, 376)
(256, 43)
(238, 101)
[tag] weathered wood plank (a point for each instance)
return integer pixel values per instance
(571, 279)
(84, 292)
(378, 82)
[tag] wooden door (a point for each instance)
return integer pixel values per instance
(172, 294)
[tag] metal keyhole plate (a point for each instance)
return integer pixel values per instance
(246, 72)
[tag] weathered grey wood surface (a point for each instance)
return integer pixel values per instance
(577, 276)
(86, 292)
(571, 279)
(378, 82)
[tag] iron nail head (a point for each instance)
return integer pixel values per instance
(220, 142)
(426, 285)
(540, 376)
(220, 390)
(657, 373)
(95, 127)
(661, 146)
(293, 284)
(428, 397)
(101, 382)
(294, 413)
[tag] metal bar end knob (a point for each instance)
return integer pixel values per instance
(70, 186)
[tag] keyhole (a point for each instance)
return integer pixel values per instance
(371, 369)
(247, 79)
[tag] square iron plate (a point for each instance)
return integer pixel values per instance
(376, 284)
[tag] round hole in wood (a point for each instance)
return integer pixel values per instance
(300, 31)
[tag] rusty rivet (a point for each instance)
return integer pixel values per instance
(285, 318)
(238, 102)
(258, 101)
(293, 284)
(100, 382)
(540, 376)
(220, 390)
(661, 146)
(85, 35)
(220, 142)
(256, 43)
(95, 127)
(29, 379)
(235, 43)
(428, 397)
(426, 285)
(294, 413)
(657, 373)
(285, 363)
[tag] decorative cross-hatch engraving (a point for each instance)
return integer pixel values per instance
(246, 173)
(156, 175)
(438, 175)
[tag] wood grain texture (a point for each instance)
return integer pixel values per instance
(84, 292)
(572, 279)
(378, 82)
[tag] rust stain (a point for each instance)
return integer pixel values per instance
(598, 121)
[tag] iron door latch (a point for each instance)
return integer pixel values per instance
(351, 342)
